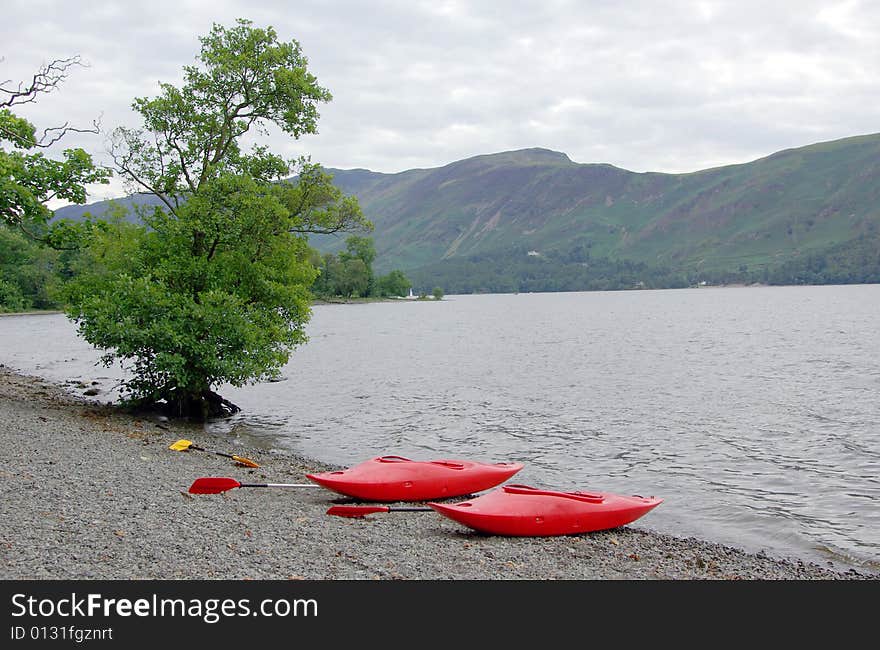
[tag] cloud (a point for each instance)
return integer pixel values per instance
(674, 86)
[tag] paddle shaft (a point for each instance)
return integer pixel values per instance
(241, 460)
(218, 484)
(279, 485)
(363, 511)
(219, 453)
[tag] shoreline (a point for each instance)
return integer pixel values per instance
(405, 299)
(92, 492)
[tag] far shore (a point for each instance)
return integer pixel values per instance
(317, 301)
(34, 312)
(429, 298)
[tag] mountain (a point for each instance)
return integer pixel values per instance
(101, 208)
(760, 216)
(761, 213)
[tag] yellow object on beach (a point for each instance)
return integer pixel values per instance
(241, 460)
(184, 445)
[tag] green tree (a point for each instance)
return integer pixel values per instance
(28, 178)
(363, 249)
(350, 273)
(27, 271)
(355, 279)
(329, 280)
(393, 284)
(438, 293)
(214, 288)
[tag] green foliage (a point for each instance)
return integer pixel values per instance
(11, 299)
(569, 269)
(247, 79)
(186, 322)
(574, 269)
(760, 214)
(394, 283)
(356, 278)
(854, 262)
(357, 267)
(437, 293)
(214, 287)
(29, 179)
(20, 133)
(361, 248)
(347, 278)
(350, 273)
(323, 208)
(28, 272)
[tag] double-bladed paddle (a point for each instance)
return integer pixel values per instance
(363, 511)
(184, 445)
(217, 484)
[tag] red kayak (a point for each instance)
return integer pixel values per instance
(520, 510)
(394, 478)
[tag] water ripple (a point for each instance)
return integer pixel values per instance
(754, 413)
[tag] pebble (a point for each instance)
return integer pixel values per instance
(125, 517)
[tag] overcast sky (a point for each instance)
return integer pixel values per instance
(671, 86)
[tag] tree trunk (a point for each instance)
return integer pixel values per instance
(200, 405)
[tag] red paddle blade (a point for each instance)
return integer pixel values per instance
(213, 485)
(356, 511)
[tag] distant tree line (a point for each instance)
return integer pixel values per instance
(31, 272)
(27, 272)
(349, 273)
(574, 269)
(515, 270)
(854, 262)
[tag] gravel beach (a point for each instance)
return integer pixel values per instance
(90, 492)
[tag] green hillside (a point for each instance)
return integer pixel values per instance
(736, 222)
(759, 214)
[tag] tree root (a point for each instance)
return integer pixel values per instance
(199, 406)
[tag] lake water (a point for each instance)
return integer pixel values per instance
(754, 412)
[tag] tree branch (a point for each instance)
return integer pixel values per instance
(121, 165)
(44, 240)
(45, 80)
(329, 230)
(183, 163)
(213, 248)
(47, 141)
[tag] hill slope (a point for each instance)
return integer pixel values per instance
(761, 213)
(754, 216)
